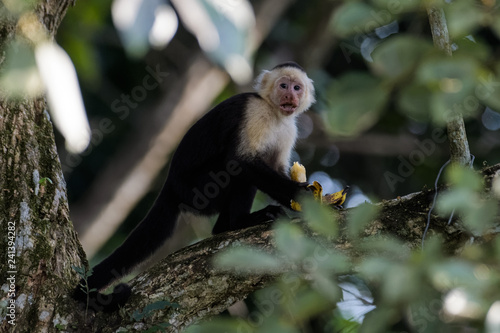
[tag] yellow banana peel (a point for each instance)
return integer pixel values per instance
(298, 174)
(336, 199)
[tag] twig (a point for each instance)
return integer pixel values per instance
(459, 146)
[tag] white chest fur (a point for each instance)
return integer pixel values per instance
(268, 135)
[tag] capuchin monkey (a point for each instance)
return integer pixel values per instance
(241, 145)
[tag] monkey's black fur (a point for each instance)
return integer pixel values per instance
(207, 176)
(289, 64)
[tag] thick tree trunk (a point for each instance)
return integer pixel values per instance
(38, 245)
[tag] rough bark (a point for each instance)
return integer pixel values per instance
(38, 243)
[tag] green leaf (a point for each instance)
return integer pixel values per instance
(220, 325)
(432, 251)
(355, 17)
(452, 273)
(375, 268)
(414, 100)
(308, 304)
(452, 81)
(273, 324)
(470, 47)
(20, 77)
(398, 56)
(435, 69)
(320, 218)
(476, 213)
(481, 216)
(359, 217)
(463, 17)
(402, 283)
(79, 270)
(292, 242)
(331, 262)
(324, 284)
(82, 271)
(355, 103)
(463, 177)
(386, 246)
(248, 260)
(44, 180)
(488, 90)
(455, 199)
(381, 320)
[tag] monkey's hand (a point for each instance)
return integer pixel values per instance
(298, 174)
(305, 186)
(273, 212)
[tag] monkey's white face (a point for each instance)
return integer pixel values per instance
(288, 90)
(287, 94)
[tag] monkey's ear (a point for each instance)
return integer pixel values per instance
(312, 91)
(261, 80)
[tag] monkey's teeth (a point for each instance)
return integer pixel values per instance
(288, 107)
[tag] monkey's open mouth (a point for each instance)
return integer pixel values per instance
(288, 108)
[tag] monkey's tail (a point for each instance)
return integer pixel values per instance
(142, 242)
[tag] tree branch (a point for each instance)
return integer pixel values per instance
(189, 279)
(457, 136)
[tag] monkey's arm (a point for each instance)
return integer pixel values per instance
(275, 184)
(255, 174)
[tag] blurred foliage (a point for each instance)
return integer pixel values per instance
(21, 74)
(429, 85)
(357, 99)
(88, 21)
(477, 210)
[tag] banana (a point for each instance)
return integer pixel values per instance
(298, 174)
(317, 190)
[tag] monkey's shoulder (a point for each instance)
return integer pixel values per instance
(217, 131)
(236, 106)
(228, 114)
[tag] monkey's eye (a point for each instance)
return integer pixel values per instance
(296, 88)
(283, 85)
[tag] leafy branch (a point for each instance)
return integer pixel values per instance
(84, 273)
